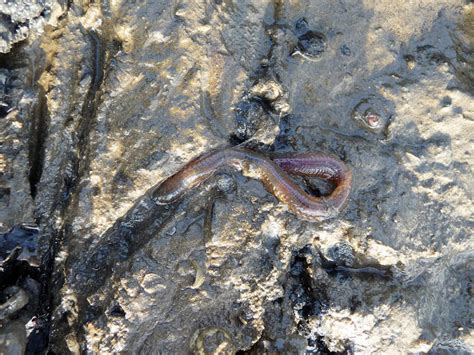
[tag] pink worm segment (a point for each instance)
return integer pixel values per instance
(273, 173)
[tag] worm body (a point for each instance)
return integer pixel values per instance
(273, 173)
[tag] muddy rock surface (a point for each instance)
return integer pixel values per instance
(100, 101)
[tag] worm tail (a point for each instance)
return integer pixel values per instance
(191, 175)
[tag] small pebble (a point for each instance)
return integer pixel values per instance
(342, 254)
(225, 183)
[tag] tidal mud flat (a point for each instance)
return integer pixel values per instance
(103, 100)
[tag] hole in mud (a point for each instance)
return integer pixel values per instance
(345, 50)
(5, 194)
(305, 298)
(446, 101)
(312, 44)
(117, 311)
(373, 114)
(4, 109)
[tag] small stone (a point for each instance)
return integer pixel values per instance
(269, 90)
(225, 183)
(342, 254)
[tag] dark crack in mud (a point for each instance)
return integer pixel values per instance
(38, 135)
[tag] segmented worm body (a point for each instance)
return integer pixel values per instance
(272, 171)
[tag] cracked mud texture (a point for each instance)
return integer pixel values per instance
(20, 19)
(104, 100)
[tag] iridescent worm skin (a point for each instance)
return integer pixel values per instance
(273, 173)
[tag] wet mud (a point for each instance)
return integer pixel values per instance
(102, 101)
